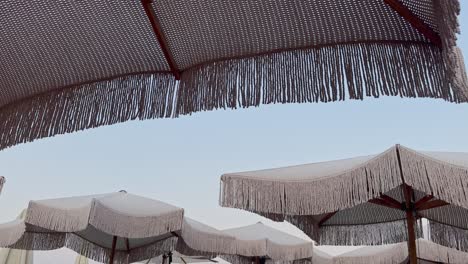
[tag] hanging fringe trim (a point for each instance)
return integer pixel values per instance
(437, 253)
(313, 197)
(118, 224)
(236, 259)
(298, 261)
(59, 220)
(448, 26)
(101, 254)
(11, 232)
(186, 250)
(321, 74)
(202, 238)
(2, 182)
(155, 249)
(143, 96)
(287, 253)
(359, 235)
(448, 236)
(388, 254)
(39, 241)
(445, 181)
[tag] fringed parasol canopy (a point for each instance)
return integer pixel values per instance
(259, 241)
(428, 252)
(73, 65)
(109, 228)
(198, 239)
(366, 200)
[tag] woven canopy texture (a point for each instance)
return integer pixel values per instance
(141, 227)
(74, 65)
(337, 202)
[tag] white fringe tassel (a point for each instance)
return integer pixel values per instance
(372, 234)
(448, 236)
(11, 232)
(353, 187)
(321, 74)
(117, 224)
(205, 241)
(443, 180)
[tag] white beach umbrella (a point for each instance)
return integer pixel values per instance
(428, 252)
(113, 228)
(321, 257)
(259, 242)
(177, 257)
(198, 242)
(16, 256)
(364, 200)
(198, 239)
(81, 260)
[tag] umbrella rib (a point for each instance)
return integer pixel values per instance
(416, 22)
(155, 25)
(431, 205)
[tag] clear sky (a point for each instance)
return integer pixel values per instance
(180, 160)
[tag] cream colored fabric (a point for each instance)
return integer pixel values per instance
(15, 256)
(259, 240)
(81, 260)
(141, 227)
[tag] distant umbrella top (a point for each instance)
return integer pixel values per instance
(73, 65)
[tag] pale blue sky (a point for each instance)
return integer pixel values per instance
(180, 160)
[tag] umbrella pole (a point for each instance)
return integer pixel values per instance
(114, 243)
(410, 219)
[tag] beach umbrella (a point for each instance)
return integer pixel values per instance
(428, 252)
(197, 239)
(260, 243)
(319, 256)
(198, 242)
(177, 257)
(110, 228)
(2, 182)
(74, 65)
(15, 256)
(367, 200)
(81, 260)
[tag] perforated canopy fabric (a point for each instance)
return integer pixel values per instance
(74, 65)
(139, 227)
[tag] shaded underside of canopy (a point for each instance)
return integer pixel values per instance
(75, 65)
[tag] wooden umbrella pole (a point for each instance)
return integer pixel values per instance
(114, 243)
(410, 219)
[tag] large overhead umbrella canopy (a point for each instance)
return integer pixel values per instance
(75, 65)
(358, 201)
(110, 228)
(259, 241)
